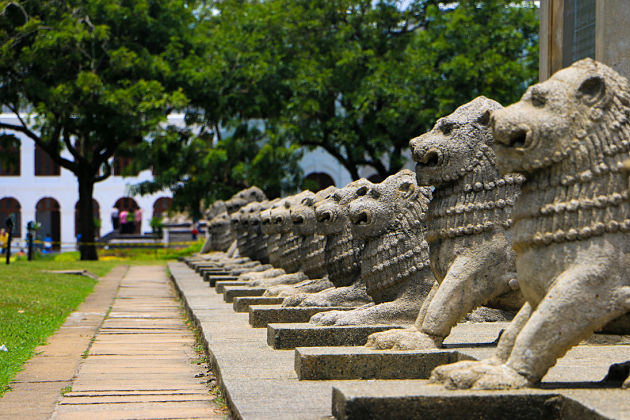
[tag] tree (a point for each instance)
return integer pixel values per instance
(95, 77)
(369, 76)
(200, 168)
(235, 80)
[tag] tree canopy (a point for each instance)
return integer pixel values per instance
(358, 78)
(94, 76)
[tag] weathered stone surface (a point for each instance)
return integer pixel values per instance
(569, 136)
(341, 253)
(390, 218)
(260, 316)
(468, 222)
(289, 336)
(242, 303)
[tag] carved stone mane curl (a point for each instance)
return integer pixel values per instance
(583, 193)
(390, 259)
(479, 201)
(290, 251)
(312, 256)
(342, 255)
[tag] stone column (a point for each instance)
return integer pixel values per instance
(574, 29)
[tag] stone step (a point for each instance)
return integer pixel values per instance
(220, 286)
(242, 303)
(229, 293)
(421, 400)
(327, 363)
(290, 336)
(261, 315)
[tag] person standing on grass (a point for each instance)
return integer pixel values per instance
(4, 239)
(123, 221)
(137, 218)
(114, 215)
(195, 230)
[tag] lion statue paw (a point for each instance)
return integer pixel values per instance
(478, 375)
(399, 339)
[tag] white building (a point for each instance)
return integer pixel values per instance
(35, 188)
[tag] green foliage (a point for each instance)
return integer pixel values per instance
(96, 75)
(33, 305)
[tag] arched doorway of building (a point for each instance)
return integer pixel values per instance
(48, 215)
(96, 213)
(161, 207)
(127, 207)
(10, 208)
(316, 181)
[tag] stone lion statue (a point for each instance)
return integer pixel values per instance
(468, 223)
(341, 253)
(302, 215)
(390, 218)
(289, 244)
(569, 136)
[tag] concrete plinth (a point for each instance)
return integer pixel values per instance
(290, 336)
(229, 293)
(212, 279)
(420, 400)
(242, 303)
(221, 285)
(323, 363)
(260, 316)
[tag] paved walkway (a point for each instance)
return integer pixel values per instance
(37, 388)
(141, 363)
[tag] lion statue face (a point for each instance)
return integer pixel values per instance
(244, 197)
(215, 209)
(281, 215)
(303, 213)
(266, 227)
(455, 144)
(332, 211)
(379, 208)
(554, 117)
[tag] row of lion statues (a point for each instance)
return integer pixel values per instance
(517, 213)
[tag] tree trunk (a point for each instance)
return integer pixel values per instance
(86, 218)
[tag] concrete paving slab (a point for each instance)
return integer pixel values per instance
(142, 366)
(261, 315)
(290, 336)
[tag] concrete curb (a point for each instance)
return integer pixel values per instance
(257, 381)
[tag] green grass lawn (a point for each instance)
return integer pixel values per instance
(34, 304)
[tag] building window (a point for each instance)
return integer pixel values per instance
(44, 164)
(48, 214)
(10, 161)
(317, 181)
(10, 208)
(161, 207)
(121, 165)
